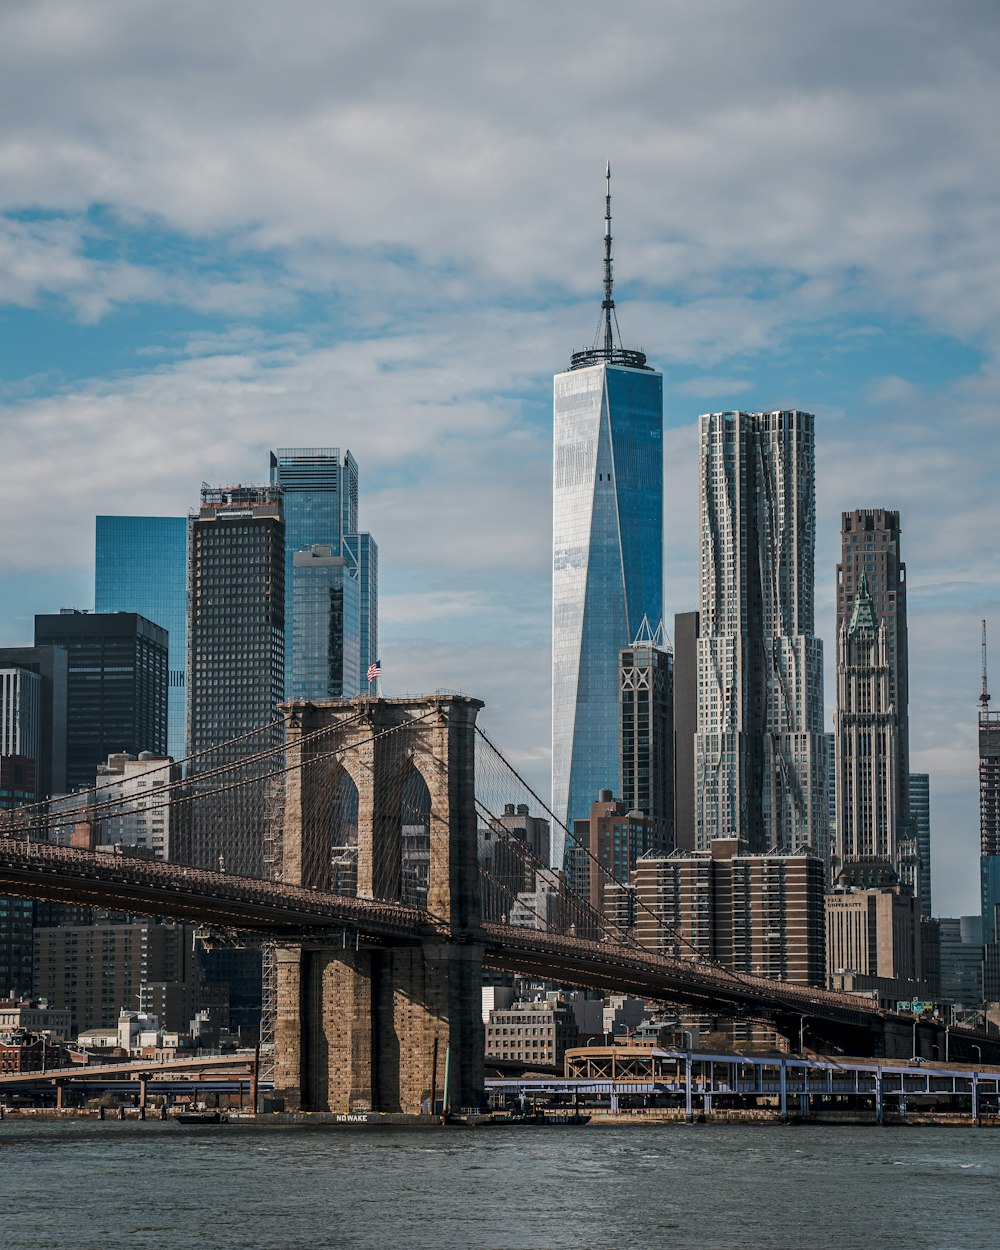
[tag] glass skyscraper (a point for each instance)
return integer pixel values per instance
(326, 632)
(607, 548)
(320, 499)
(141, 566)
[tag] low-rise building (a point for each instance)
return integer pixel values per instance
(34, 1016)
(532, 1032)
(21, 1051)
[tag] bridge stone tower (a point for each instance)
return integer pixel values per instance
(359, 1024)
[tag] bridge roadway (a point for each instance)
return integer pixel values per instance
(277, 911)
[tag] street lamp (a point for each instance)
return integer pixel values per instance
(979, 1052)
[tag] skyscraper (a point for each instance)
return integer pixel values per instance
(50, 665)
(989, 810)
(236, 627)
(867, 740)
(759, 753)
(319, 489)
(685, 726)
(326, 626)
(647, 725)
(920, 815)
(236, 654)
(20, 713)
(116, 686)
(607, 546)
(141, 566)
(870, 544)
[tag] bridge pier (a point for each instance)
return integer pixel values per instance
(356, 1029)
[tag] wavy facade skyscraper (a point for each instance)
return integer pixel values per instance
(607, 547)
(760, 754)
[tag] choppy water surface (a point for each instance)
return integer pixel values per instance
(111, 1186)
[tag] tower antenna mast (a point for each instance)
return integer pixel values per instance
(609, 279)
(607, 323)
(984, 698)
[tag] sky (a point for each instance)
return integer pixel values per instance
(230, 227)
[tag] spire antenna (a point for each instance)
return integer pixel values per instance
(604, 351)
(984, 697)
(609, 278)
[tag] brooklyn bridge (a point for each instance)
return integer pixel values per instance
(364, 844)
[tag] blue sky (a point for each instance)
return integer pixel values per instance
(229, 227)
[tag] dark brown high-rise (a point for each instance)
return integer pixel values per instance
(870, 544)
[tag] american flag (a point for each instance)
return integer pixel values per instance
(374, 671)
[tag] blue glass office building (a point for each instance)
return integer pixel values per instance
(607, 547)
(607, 562)
(320, 498)
(141, 566)
(326, 630)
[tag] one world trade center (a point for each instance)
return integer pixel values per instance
(607, 547)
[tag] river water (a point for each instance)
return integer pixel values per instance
(131, 1186)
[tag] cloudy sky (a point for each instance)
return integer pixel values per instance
(235, 226)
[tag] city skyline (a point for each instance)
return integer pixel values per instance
(201, 320)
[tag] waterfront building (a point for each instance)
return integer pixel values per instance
(685, 726)
(236, 654)
(607, 547)
(49, 665)
(141, 566)
(116, 686)
(21, 1051)
(646, 704)
(34, 1015)
(759, 749)
(532, 1032)
(920, 820)
(760, 914)
(319, 492)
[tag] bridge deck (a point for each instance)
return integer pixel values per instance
(278, 911)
